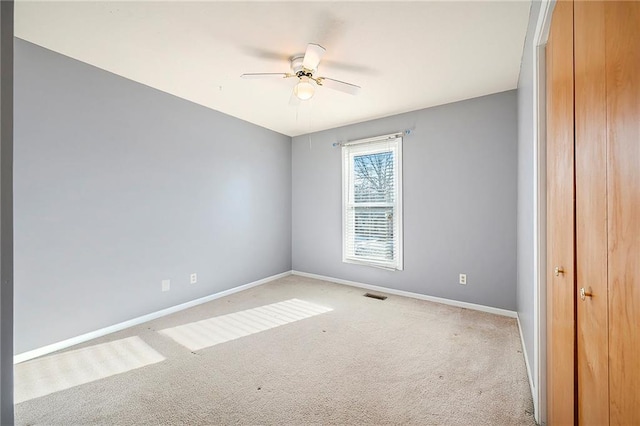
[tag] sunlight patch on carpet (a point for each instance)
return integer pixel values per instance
(57, 372)
(213, 331)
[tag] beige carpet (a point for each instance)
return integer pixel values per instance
(354, 361)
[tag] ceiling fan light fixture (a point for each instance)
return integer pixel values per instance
(304, 90)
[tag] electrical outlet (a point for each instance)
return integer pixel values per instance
(463, 279)
(194, 278)
(166, 285)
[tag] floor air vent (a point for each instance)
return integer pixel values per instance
(375, 296)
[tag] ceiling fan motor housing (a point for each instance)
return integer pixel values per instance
(298, 69)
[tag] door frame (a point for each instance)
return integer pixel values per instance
(539, 385)
(6, 211)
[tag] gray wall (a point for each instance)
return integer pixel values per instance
(6, 213)
(119, 186)
(459, 201)
(526, 195)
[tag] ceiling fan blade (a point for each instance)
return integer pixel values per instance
(349, 88)
(312, 56)
(267, 75)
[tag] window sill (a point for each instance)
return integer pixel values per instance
(372, 264)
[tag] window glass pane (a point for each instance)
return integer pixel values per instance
(373, 178)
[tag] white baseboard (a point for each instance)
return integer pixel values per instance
(475, 307)
(526, 362)
(25, 356)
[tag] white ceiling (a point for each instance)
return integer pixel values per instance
(404, 55)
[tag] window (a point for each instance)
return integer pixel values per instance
(372, 202)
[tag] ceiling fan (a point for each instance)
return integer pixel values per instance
(304, 67)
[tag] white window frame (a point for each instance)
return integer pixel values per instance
(372, 146)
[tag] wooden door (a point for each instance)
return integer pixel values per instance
(560, 219)
(591, 212)
(607, 182)
(596, 46)
(622, 28)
